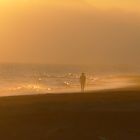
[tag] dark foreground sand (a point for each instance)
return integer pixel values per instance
(106, 115)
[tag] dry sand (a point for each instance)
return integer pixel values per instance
(104, 115)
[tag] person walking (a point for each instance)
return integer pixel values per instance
(83, 81)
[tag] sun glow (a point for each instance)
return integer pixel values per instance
(131, 5)
(29, 28)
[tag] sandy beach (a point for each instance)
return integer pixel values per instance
(102, 115)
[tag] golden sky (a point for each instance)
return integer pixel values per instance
(132, 5)
(70, 31)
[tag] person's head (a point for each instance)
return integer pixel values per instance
(83, 73)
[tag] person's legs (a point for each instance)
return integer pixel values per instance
(82, 87)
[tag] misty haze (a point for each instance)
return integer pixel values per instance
(69, 69)
(69, 33)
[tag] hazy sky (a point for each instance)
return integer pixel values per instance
(70, 31)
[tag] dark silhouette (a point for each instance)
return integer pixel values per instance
(83, 81)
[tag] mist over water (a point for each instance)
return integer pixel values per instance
(23, 79)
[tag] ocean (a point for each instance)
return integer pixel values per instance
(28, 79)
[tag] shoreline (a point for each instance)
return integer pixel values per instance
(127, 88)
(94, 84)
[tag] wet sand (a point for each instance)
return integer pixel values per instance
(102, 115)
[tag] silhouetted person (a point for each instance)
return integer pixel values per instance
(83, 81)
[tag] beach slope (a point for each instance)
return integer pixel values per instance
(104, 115)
